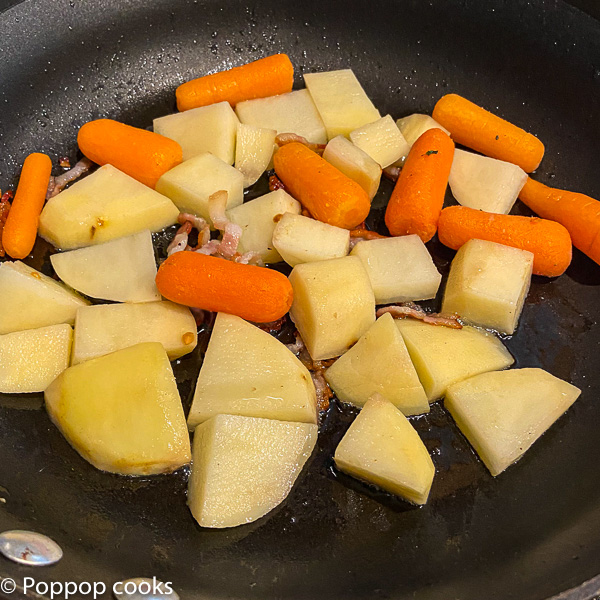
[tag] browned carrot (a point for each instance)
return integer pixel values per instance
(328, 194)
(418, 196)
(475, 127)
(142, 154)
(547, 240)
(268, 76)
(579, 213)
(20, 229)
(254, 293)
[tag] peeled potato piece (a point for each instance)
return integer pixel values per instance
(253, 151)
(382, 141)
(414, 126)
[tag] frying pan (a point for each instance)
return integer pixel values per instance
(529, 534)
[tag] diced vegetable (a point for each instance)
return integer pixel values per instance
(253, 151)
(381, 140)
(414, 126)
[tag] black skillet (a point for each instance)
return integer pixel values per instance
(530, 534)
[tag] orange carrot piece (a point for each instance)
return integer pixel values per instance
(142, 154)
(418, 195)
(549, 241)
(579, 213)
(328, 194)
(268, 76)
(479, 129)
(20, 229)
(254, 293)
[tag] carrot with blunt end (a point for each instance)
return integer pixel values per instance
(418, 196)
(328, 194)
(254, 293)
(549, 241)
(479, 129)
(20, 229)
(579, 213)
(143, 155)
(268, 76)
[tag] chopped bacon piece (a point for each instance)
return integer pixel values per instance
(180, 241)
(64, 162)
(415, 312)
(275, 184)
(273, 326)
(392, 172)
(56, 184)
(289, 138)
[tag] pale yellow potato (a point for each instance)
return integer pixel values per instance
(248, 372)
(122, 412)
(485, 183)
(379, 363)
(122, 270)
(258, 219)
(103, 206)
(354, 163)
(488, 283)
(382, 447)
(503, 413)
(341, 101)
(300, 239)
(414, 126)
(190, 184)
(443, 356)
(31, 360)
(287, 113)
(210, 128)
(29, 299)
(333, 305)
(253, 151)
(400, 269)
(106, 328)
(382, 141)
(243, 467)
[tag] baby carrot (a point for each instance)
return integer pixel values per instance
(547, 240)
(254, 293)
(20, 229)
(268, 76)
(418, 196)
(328, 194)
(142, 154)
(476, 128)
(579, 213)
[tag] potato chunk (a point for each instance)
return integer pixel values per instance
(382, 141)
(248, 372)
(206, 129)
(414, 126)
(333, 304)
(400, 269)
(122, 411)
(488, 283)
(31, 360)
(243, 467)
(503, 413)
(379, 363)
(443, 356)
(383, 448)
(253, 151)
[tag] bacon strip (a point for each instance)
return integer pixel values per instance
(292, 138)
(392, 172)
(180, 241)
(56, 184)
(413, 311)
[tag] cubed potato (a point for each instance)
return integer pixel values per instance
(103, 206)
(382, 447)
(341, 101)
(488, 283)
(122, 412)
(122, 270)
(258, 219)
(248, 372)
(253, 151)
(354, 163)
(31, 360)
(243, 467)
(206, 129)
(400, 269)
(300, 239)
(414, 126)
(29, 299)
(191, 183)
(485, 183)
(443, 356)
(333, 305)
(382, 141)
(503, 413)
(106, 328)
(287, 113)
(379, 363)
